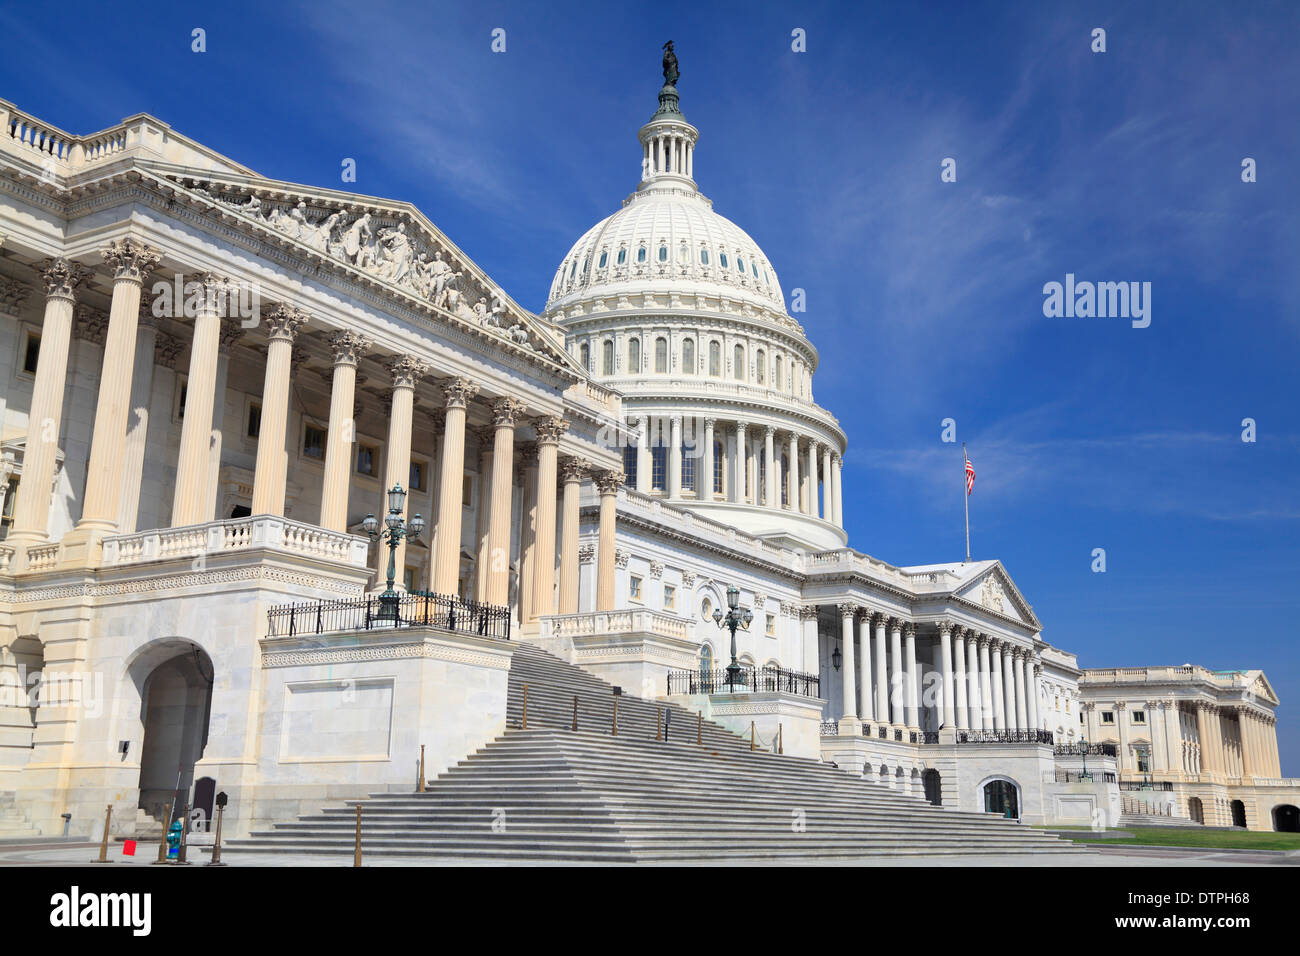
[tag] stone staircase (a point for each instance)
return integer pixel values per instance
(14, 823)
(549, 793)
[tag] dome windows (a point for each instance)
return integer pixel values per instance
(640, 254)
(688, 356)
(663, 252)
(683, 254)
(661, 356)
(740, 265)
(622, 257)
(760, 373)
(704, 257)
(634, 356)
(722, 259)
(573, 269)
(584, 355)
(607, 357)
(604, 258)
(715, 359)
(738, 361)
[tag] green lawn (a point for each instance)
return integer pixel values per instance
(1211, 839)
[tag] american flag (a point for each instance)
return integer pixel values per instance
(970, 475)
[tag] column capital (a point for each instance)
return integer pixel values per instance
(608, 482)
(459, 391)
(348, 346)
(710, 422)
(836, 458)
(1121, 705)
(741, 425)
(808, 612)
(982, 640)
(848, 609)
(945, 627)
(284, 321)
(229, 335)
(407, 370)
(573, 469)
(909, 629)
(62, 277)
(550, 429)
(769, 431)
(130, 258)
(880, 619)
(506, 412)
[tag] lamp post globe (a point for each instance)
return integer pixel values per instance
(395, 529)
(734, 618)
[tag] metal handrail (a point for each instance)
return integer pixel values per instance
(413, 609)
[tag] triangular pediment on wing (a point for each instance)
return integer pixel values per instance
(994, 590)
(388, 242)
(1260, 687)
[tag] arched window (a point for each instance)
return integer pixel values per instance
(704, 257)
(715, 358)
(573, 269)
(622, 257)
(640, 254)
(683, 254)
(1000, 797)
(717, 467)
(633, 356)
(663, 253)
(722, 258)
(740, 265)
(785, 485)
(607, 357)
(760, 358)
(777, 363)
(688, 356)
(738, 359)
(604, 258)
(661, 355)
(706, 662)
(584, 355)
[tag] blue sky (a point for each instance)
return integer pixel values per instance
(925, 298)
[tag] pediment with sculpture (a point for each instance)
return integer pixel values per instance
(390, 246)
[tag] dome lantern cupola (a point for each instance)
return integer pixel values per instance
(668, 141)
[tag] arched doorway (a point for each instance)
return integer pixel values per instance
(175, 683)
(1286, 818)
(933, 787)
(1238, 814)
(1194, 810)
(1001, 797)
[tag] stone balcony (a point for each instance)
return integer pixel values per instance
(632, 648)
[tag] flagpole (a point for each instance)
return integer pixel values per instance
(965, 498)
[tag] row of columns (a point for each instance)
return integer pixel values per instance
(987, 683)
(670, 152)
(811, 480)
(193, 501)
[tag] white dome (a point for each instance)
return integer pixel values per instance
(667, 240)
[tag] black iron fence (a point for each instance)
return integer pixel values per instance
(749, 679)
(1164, 785)
(411, 609)
(1004, 736)
(1079, 776)
(1093, 750)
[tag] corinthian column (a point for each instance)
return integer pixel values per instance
(1022, 711)
(972, 680)
(607, 483)
(849, 725)
(837, 515)
(741, 465)
(1031, 694)
(882, 667)
(959, 678)
(282, 326)
(32, 507)
(131, 261)
(505, 414)
(999, 696)
(945, 658)
(898, 700)
(548, 431)
(706, 480)
(985, 682)
(769, 464)
(913, 678)
(574, 470)
(810, 481)
(348, 348)
(866, 708)
(1009, 686)
(189, 497)
(792, 484)
(137, 436)
(406, 371)
(459, 391)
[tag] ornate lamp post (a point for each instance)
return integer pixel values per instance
(734, 618)
(395, 530)
(1083, 742)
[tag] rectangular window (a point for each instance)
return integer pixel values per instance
(419, 475)
(1143, 761)
(1139, 717)
(31, 352)
(7, 517)
(367, 460)
(670, 597)
(770, 629)
(658, 467)
(634, 589)
(467, 492)
(254, 426)
(313, 442)
(408, 578)
(1107, 717)
(629, 464)
(688, 468)
(717, 468)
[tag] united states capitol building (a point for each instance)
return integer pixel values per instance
(212, 379)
